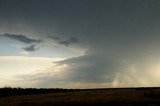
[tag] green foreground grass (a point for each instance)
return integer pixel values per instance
(97, 97)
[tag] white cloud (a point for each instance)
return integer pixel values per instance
(25, 53)
(15, 65)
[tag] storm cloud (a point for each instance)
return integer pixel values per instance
(54, 38)
(71, 40)
(118, 39)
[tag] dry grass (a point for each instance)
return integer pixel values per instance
(87, 97)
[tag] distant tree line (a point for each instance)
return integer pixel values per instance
(9, 91)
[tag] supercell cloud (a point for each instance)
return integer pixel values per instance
(119, 39)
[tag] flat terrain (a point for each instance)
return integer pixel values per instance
(86, 97)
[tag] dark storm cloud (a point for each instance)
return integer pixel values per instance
(54, 38)
(71, 40)
(30, 48)
(21, 38)
(116, 35)
(65, 43)
(0, 2)
(84, 69)
(93, 68)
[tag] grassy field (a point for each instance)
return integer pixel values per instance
(87, 97)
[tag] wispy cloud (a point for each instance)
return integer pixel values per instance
(30, 48)
(67, 42)
(21, 38)
(31, 43)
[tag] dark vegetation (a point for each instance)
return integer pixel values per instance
(8, 91)
(80, 97)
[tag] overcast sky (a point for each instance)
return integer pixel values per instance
(79, 43)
